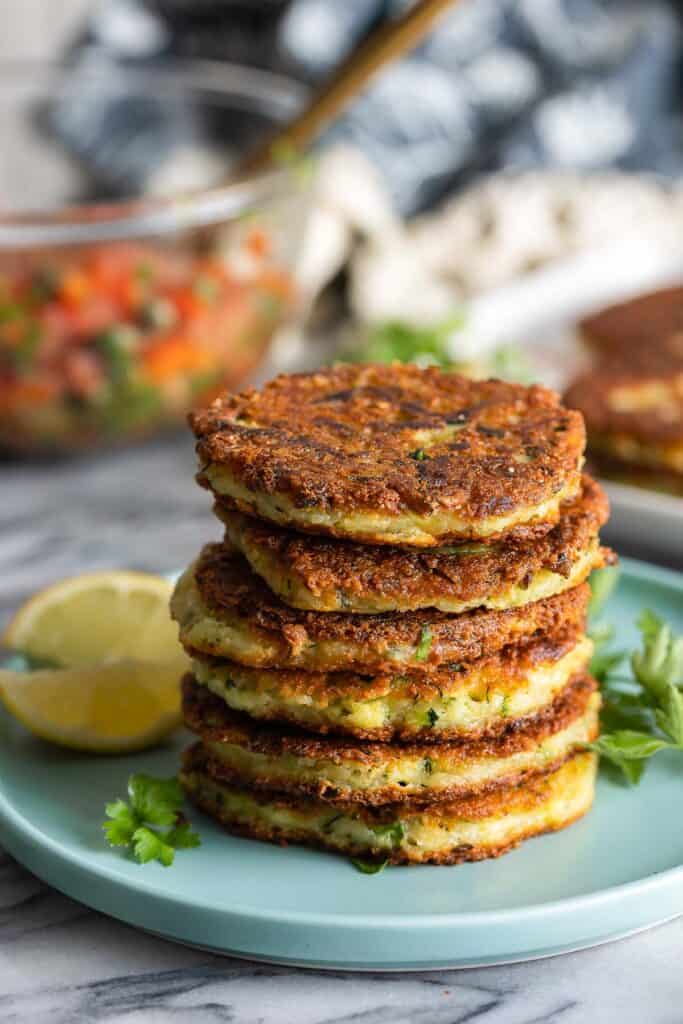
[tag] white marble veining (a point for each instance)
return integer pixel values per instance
(63, 964)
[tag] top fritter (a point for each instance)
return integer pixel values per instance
(393, 455)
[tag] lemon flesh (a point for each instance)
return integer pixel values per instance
(98, 618)
(106, 709)
(115, 687)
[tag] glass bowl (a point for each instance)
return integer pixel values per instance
(134, 284)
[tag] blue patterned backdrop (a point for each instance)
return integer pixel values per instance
(500, 83)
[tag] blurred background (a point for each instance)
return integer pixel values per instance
(520, 169)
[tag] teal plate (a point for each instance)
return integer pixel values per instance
(616, 872)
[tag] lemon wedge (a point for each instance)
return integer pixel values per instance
(117, 663)
(97, 618)
(110, 709)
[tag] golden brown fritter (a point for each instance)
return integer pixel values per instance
(481, 698)
(632, 398)
(469, 829)
(321, 574)
(239, 618)
(620, 402)
(249, 753)
(393, 454)
(646, 331)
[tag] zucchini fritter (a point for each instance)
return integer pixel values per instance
(646, 331)
(475, 699)
(225, 610)
(634, 417)
(325, 575)
(251, 754)
(393, 454)
(632, 399)
(451, 832)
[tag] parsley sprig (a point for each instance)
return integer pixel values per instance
(395, 832)
(152, 825)
(643, 713)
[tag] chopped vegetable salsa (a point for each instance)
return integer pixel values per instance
(119, 340)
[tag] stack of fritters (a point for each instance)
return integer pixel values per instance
(632, 397)
(389, 646)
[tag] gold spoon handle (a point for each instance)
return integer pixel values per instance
(388, 42)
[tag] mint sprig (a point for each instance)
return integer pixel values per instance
(152, 825)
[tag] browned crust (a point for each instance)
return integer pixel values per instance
(340, 439)
(634, 344)
(590, 394)
(417, 578)
(646, 328)
(510, 667)
(210, 718)
(229, 587)
(511, 800)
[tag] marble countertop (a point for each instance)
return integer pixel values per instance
(63, 964)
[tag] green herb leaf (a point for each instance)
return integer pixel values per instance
(603, 662)
(120, 829)
(425, 644)
(670, 715)
(625, 710)
(398, 340)
(628, 750)
(368, 867)
(183, 837)
(660, 663)
(148, 845)
(645, 714)
(420, 455)
(408, 343)
(649, 624)
(629, 744)
(602, 583)
(395, 831)
(153, 802)
(432, 717)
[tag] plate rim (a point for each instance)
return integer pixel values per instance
(643, 498)
(25, 831)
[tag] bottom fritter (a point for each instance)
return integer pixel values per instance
(451, 832)
(339, 770)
